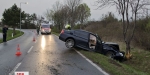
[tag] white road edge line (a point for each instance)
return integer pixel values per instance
(92, 63)
(17, 66)
(30, 49)
(56, 36)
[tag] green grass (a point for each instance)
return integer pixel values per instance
(55, 33)
(9, 35)
(111, 66)
(138, 65)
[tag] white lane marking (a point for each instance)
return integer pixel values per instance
(30, 49)
(17, 66)
(92, 63)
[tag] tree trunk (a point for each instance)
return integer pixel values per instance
(128, 55)
(59, 27)
(81, 23)
(127, 48)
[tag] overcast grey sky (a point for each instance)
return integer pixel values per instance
(40, 6)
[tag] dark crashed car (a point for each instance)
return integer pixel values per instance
(89, 41)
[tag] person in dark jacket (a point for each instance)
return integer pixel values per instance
(38, 29)
(5, 28)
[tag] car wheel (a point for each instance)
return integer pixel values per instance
(70, 43)
(110, 54)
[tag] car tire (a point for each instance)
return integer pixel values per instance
(70, 43)
(110, 54)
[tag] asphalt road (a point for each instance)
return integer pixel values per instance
(46, 56)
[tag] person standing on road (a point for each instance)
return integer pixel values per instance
(38, 29)
(4, 30)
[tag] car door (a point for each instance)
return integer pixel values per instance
(99, 45)
(92, 42)
(81, 38)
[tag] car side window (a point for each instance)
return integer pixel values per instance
(81, 34)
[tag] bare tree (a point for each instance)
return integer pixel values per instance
(48, 14)
(73, 4)
(125, 7)
(65, 14)
(34, 18)
(54, 15)
(40, 19)
(83, 12)
(69, 13)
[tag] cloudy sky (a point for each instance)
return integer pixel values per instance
(40, 6)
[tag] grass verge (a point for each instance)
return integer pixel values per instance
(138, 65)
(55, 33)
(9, 35)
(111, 66)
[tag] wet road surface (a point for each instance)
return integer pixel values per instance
(46, 56)
(8, 59)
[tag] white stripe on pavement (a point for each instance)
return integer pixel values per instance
(30, 49)
(11, 73)
(92, 63)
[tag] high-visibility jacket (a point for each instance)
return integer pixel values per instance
(67, 26)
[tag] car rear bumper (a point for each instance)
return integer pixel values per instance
(45, 32)
(62, 37)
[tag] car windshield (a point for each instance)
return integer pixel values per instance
(45, 26)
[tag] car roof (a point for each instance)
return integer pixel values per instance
(83, 31)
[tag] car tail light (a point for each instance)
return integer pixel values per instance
(62, 31)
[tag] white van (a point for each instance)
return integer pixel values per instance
(45, 29)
